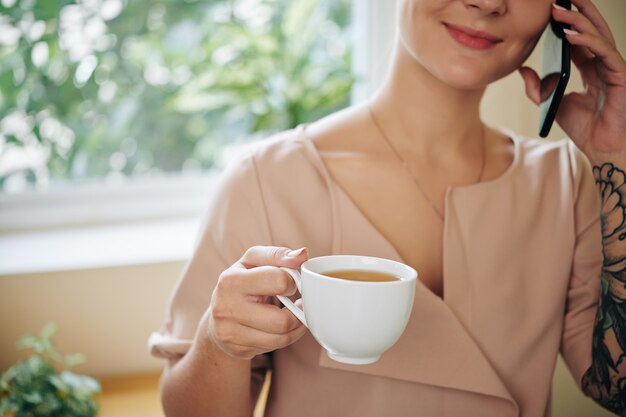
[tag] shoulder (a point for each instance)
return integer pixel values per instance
(281, 174)
(276, 153)
(554, 156)
(542, 151)
(546, 161)
(300, 153)
(279, 151)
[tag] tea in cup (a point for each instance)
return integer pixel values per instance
(356, 307)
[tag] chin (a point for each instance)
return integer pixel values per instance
(464, 77)
(471, 75)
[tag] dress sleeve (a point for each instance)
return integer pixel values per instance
(234, 221)
(584, 287)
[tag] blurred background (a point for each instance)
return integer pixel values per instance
(116, 117)
(110, 89)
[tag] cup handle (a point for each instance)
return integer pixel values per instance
(295, 275)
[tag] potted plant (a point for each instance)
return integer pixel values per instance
(42, 385)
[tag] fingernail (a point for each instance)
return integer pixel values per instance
(556, 6)
(295, 253)
(570, 32)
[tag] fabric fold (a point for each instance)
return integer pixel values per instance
(435, 349)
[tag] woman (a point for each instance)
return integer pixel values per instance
(504, 232)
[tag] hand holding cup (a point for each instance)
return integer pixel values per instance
(241, 320)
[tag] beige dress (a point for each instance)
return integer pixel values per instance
(522, 260)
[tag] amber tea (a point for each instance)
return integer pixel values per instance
(361, 275)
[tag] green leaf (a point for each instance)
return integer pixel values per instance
(296, 17)
(27, 342)
(32, 397)
(194, 102)
(47, 333)
(51, 405)
(83, 383)
(74, 359)
(56, 381)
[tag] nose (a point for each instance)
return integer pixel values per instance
(487, 7)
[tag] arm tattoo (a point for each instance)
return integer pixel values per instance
(605, 380)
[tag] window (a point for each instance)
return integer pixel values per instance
(114, 113)
(115, 89)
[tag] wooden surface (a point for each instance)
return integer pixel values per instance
(130, 396)
(138, 396)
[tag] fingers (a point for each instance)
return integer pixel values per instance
(588, 9)
(576, 20)
(246, 342)
(267, 318)
(245, 329)
(590, 30)
(611, 59)
(532, 84)
(257, 339)
(273, 255)
(259, 281)
(538, 90)
(256, 273)
(581, 56)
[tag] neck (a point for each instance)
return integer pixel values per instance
(424, 116)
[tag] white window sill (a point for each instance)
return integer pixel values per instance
(94, 247)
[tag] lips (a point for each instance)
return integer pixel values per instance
(472, 38)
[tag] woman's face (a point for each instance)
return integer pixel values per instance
(471, 43)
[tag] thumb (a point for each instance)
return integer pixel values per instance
(274, 256)
(532, 84)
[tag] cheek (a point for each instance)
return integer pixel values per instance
(524, 32)
(530, 25)
(416, 26)
(526, 42)
(408, 21)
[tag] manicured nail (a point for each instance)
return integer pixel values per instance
(571, 32)
(295, 253)
(556, 6)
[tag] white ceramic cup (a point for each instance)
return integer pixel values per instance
(355, 321)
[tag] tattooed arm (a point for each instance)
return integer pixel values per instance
(595, 119)
(605, 381)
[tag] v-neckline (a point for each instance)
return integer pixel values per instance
(445, 326)
(335, 188)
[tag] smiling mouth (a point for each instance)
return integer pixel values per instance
(471, 38)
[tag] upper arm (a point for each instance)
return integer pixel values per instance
(234, 221)
(584, 286)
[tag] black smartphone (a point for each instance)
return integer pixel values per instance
(555, 70)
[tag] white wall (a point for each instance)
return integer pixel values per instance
(107, 313)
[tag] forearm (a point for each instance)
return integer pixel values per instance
(207, 382)
(605, 381)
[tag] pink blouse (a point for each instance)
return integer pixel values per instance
(522, 257)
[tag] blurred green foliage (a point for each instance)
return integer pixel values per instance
(117, 87)
(34, 387)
